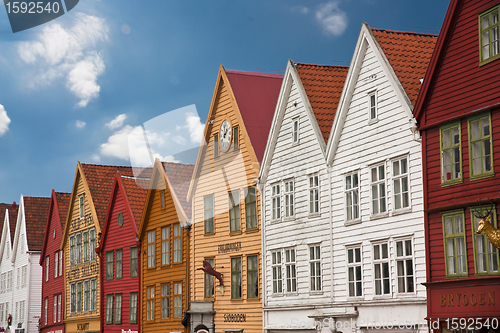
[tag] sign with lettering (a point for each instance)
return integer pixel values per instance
(230, 247)
(235, 317)
(129, 331)
(78, 223)
(82, 327)
(83, 271)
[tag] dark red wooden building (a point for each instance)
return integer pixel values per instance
(53, 283)
(458, 114)
(119, 254)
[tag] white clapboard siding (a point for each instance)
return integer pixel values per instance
(5, 267)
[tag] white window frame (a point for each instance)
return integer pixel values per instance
(314, 194)
(276, 201)
(289, 197)
(277, 272)
(290, 270)
(315, 268)
(46, 310)
(61, 262)
(372, 107)
(55, 309)
(380, 261)
(399, 177)
(378, 183)
(404, 258)
(56, 263)
(59, 307)
(295, 130)
(347, 192)
(353, 265)
(47, 268)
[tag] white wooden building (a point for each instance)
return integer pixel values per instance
(9, 215)
(294, 181)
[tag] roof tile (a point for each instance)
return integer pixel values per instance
(36, 210)
(63, 206)
(137, 190)
(179, 176)
(13, 208)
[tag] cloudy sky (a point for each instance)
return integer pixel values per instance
(90, 85)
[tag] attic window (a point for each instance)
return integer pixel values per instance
(120, 219)
(54, 234)
(162, 199)
(372, 105)
(295, 130)
(488, 35)
(81, 201)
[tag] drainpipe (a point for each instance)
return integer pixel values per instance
(329, 173)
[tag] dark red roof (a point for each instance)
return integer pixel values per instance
(13, 208)
(179, 176)
(137, 190)
(323, 85)
(409, 54)
(256, 95)
(36, 210)
(63, 205)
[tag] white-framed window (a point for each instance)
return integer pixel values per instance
(151, 249)
(290, 271)
(47, 266)
(18, 275)
(354, 272)
(378, 192)
(150, 302)
(372, 105)
(56, 263)
(45, 311)
(10, 281)
(276, 263)
(61, 262)
(276, 201)
(59, 307)
(404, 266)
(55, 309)
(381, 269)
(352, 196)
(400, 183)
(1, 312)
(295, 130)
(22, 308)
(314, 194)
(81, 202)
(289, 198)
(315, 267)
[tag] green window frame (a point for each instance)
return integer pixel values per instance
(234, 211)
(216, 145)
(93, 295)
(451, 154)
(109, 309)
(81, 201)
(251, 208)
(165, 301)
(489, 48)
(73, 298)
(236, 278)
(132, 316)
(455, 244)
(109, 265)
(86, 295)
(85, 246)
(236, 138)
(208, 209)
(134, 262)
(480, 147)
(252, 277)
(119, 264)
(79, 298)
(209, 287)
(118, 308)
(486, 255)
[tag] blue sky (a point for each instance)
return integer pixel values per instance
(75, 89)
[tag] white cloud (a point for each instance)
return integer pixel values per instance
(300, 9)
(70, 53)
(195, 127)
(117, 122)
(4, 120)
(80, 124)
(331, 18)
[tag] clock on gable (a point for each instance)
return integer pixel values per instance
(225, 134)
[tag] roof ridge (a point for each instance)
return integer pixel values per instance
(175, 163)
(333, 66)
(406, 32)
(263, 74)
(107, 165)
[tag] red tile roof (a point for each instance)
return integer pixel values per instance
(409, 54)
(256, 95)
(13, 208)
(63, 206)
(137, 190)
(323, 85)
(36, 210)
(179, 176)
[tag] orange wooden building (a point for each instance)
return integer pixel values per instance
(164, 236)
(226, 230)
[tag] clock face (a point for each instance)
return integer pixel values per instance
(225, 134)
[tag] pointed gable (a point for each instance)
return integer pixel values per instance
(36, 210)
(63, 205)
(136, 191)
(13, 208)
(179, 177)
(58, 201)
(323, 85)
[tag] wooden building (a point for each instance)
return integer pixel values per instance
(457, 114)
(119, 255)
(164, 238)
(81, 234)
(52, 264)
(226, 230)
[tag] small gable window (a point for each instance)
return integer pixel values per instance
(236, 138)
(372, 105)
(216, 145)
(120, 219)
(488, 35)
(82, 206)
(295, 130)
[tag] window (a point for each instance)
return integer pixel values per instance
(150, 299)
(252, 277)
(454, 244)
(209, 214)
(295, 130)
(234, 211)
(79, 297)
(61, 262)
(236, 138)
(315, 267)
(119, 264)
(118, 308)
(488, 34)
(73, 298)
(81, 201)
(134, 264)
(85, 246)
(18, 278)
(151, 249)
(93, 295)
(72, 250)
(92, 243)
(250, 208)
(480, 154)
(236, 278)
(22, 306)
(162, 200)
(59, 307)
(352, 197)
(354, 272)
(289, 199)
(177, 243)
(1, 312)
(404, 266)
(78, 250)
(277, 273)
(216, 145)
(178, 300)
(55, 309)
(109, 265)
(290, 269)
(485, 253)
(45, 311)
(276, 201)
(56, 263)
(86, 295)
(165, 301)
(313, 194)
(372, 108)
(24, 280)
(47, 266)
(17, 311)
(165, 245)
(400, 183)
(381, 269)
(109, 309)
(451, 157)
(377, 176)
(132, 319)
(209, 281)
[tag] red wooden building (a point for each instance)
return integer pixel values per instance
(458, 114)
(53, 287)
(119, 255)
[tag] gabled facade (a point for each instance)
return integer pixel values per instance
(458, 113)
(82, 229)
(52, 265)
(226, 231)
(164, 237)
(119, 255)
(8, 217)
(376, 184)
(26, 280)
(296, 229)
